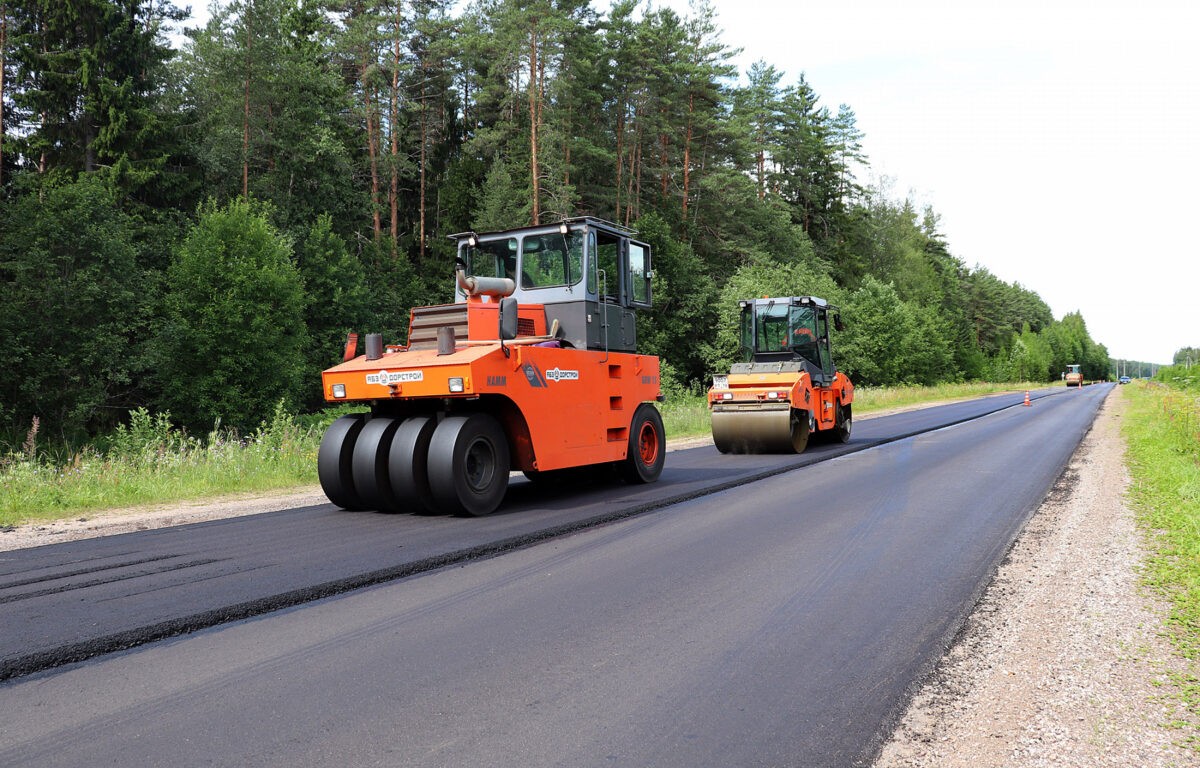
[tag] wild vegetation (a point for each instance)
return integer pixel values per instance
(1163, 434)
(192, 230)
(150, 460)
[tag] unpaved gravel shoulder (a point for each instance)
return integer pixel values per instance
(1063, 662)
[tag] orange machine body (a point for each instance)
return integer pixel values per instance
(560, 407)
(533, 368)
(785, 390)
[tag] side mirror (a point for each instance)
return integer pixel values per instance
(837, 323)
(508, 318)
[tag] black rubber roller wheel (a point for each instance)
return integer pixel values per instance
(468, 464)
(369, 466)
(647, 446)
(407, 464)
(335, 461)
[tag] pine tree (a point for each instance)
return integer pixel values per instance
(846, 142)
(3, 74)
(757, 108)
(269, 111)
(87, 76)
(441, 120)
(709, 68)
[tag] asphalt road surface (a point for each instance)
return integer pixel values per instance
(781, 621)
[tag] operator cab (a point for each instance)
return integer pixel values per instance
(788, 334)
(590, 274)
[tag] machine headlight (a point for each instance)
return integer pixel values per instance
(772, 395)
(456, 384)
(339, 390)
(720, 382)
(726, 395)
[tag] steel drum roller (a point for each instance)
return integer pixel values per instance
(762, 429)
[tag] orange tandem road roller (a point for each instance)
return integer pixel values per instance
(786, 389)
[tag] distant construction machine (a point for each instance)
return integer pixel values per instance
(533, 368)
(1074, 376)
(786, 389)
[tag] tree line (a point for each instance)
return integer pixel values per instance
(194, 229)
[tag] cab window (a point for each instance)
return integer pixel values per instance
(495, 258)
(772, 333)
(747, 332)
(607, 250)
(551, 260)
(639, 285)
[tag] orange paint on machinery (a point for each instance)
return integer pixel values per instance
(534, 368)
(786, 390)
(561, 407)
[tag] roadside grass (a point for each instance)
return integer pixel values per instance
(1162, 431)
(870, 399)
(151, 461)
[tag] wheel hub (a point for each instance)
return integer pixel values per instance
(648, 444)
(479, 464)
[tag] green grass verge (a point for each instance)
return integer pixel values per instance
(1162, 431)
(869, 399)
(153, 462)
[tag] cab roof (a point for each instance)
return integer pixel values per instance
(573, 223)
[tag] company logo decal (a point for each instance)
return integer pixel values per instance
(533, 375)
(394, 377)
(538, 379)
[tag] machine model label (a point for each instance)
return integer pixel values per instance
(394, 377)
(557, 374)
(497, 381)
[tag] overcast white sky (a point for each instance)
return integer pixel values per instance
(1059, 140)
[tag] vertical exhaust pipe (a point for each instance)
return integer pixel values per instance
(374, 346)
(445, 340)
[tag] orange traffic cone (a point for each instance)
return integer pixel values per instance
(1026, 399)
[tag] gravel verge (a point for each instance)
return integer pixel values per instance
(1063, 662)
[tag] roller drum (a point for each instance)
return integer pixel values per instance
(760, 430)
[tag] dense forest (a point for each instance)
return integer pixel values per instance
(194, 228)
